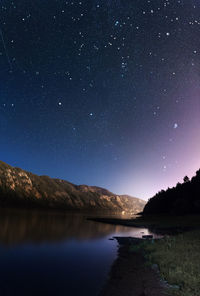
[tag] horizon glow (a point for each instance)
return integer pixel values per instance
(102, 93)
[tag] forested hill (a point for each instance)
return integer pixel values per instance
(182, 199)
(22, 188)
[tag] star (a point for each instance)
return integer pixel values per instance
(77, 75)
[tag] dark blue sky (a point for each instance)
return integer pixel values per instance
(103, 92)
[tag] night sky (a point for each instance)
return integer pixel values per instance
(102, 93)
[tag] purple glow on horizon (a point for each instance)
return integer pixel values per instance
(104, 94)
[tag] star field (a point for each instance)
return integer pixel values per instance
(101, 92)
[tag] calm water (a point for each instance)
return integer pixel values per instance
(45, 253)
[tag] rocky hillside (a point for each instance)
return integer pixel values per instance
(21, 188)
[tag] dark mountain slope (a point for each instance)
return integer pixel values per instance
(182, 199)
(21, 188)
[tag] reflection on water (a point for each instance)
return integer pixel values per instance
(22, 226)
(50, 253)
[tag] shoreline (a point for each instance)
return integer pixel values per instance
(130, 274)
(174, 258)
(141, 223)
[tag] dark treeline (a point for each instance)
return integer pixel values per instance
(182, 199)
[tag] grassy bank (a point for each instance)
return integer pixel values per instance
(178, 260)
(177, 256)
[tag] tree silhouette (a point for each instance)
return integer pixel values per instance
(186, 179)
(182, 199)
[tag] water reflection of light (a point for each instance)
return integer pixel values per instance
(24, 226)
(49, 253)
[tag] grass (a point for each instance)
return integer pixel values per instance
(177, 256)
(178, 259)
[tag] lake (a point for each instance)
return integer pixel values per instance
(55, 253)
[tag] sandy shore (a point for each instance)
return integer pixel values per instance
(130, 275)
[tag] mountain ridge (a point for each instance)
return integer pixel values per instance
(22, 188)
